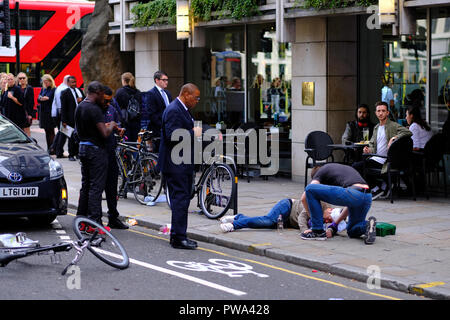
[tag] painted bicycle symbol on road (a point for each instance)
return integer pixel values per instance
(232, 269)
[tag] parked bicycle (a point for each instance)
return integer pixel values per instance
(216, 187)
(137, 169)
(101, 243)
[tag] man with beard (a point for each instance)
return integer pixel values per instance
(354, 129)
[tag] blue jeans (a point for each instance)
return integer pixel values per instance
(357, 202)
(283, 207)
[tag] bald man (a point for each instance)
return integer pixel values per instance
(178, 177)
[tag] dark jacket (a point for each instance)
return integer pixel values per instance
(354, 132)
(156, 108)
(14, 112)
(68, 106)
(45, 108)
(124, 94)
(174, 117)
(28, 96)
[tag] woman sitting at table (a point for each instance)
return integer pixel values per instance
(421, 131)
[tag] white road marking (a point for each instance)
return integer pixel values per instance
(177, 274)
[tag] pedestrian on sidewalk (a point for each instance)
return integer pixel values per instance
(112, 174)
(126, 96)
(45, 102)
(59, 140)
(13, 102)
(294, 216)
(70, 98)
(28, 100)
(340, 185)
(179, 177)
(93, 133)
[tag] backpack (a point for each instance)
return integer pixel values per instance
(133, 108)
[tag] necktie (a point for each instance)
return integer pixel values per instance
(164, 95)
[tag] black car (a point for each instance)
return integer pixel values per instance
(32, 184)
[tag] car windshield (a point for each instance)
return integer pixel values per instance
(9, 133)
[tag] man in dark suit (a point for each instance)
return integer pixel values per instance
(179, 177)
(158, 100)
(70, 98)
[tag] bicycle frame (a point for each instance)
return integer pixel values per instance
(138, 148)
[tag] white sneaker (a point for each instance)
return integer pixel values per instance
(226, 219)
(227, 227)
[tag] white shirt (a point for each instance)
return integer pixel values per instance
(386, 95)
(76, 94)
(184, 107)
(420, 136)
(382, 145)
(56, 105)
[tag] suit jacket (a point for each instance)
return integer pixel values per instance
(392, 129)
(68, 106)
(174, 117)
(156, 108)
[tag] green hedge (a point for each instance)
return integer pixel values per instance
(164, 11)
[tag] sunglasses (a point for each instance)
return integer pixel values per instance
(164, 80)
(21, 78)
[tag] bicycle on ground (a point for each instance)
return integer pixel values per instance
(137, 168)
(101, 243)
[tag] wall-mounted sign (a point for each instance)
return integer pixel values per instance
(308, 93)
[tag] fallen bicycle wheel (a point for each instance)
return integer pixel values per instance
(102, 243)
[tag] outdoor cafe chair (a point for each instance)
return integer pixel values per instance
(399, 164)
(317, 146)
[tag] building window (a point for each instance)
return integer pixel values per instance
(244, 76)
(440, 68)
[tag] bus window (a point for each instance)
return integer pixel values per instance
(32, 19)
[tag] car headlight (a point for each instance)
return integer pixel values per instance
(56, 170)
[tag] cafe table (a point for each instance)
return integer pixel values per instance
(349, 149)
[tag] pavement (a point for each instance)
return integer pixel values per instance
(416, 259)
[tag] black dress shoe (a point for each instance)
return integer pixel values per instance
(115, 223)
(183, 244)
(72, 159)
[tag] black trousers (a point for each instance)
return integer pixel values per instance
(372, 181)
(180, 186)
(94, 164)
(112, 175)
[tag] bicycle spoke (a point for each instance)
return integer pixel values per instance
(217, 191)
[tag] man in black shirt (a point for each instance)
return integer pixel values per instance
(92, 132)
(343, 186)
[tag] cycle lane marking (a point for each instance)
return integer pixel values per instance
(279, 269)
(178, 274)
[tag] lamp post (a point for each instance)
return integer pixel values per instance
(387, 11)
(183, 20)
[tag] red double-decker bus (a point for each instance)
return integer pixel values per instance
(50, 34)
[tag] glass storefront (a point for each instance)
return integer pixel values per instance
(394, 68)
(244, 76)
(440, 67)
(404, 70)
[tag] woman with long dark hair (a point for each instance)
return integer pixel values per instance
(419, 127)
